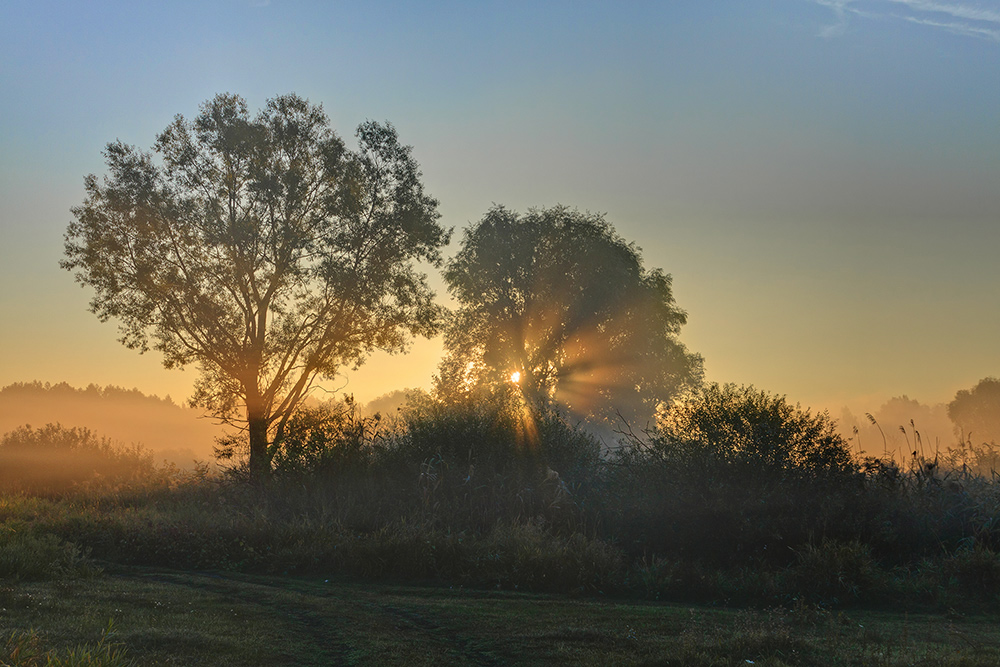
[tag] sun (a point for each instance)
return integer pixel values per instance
(515, 377)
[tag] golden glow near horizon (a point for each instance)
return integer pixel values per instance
(826, 218)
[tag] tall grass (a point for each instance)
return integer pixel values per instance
(25, 649)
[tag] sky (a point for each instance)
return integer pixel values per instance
(820, 177)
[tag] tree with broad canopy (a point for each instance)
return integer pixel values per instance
(261, 249)
(976, 412)
(557, 303)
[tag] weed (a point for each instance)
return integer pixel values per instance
(24, 649)
(25, 553)
(834, 571)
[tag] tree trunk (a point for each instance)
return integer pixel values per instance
(260, 463)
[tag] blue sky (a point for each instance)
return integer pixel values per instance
(820, 177)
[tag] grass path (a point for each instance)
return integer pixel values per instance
(167, 617)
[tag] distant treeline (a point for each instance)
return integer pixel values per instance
(170, 431)
(64, 389)
(904, 428)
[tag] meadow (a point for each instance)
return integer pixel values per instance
(741, 529)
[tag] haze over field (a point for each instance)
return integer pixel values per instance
(169, 431)
(818, 176)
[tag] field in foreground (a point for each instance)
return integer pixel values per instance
(167, 617)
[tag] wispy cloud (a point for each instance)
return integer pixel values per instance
(842, 9)
(958, 28)
(960, 18)
(839, 8)
(956, 10)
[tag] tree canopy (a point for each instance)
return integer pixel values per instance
(976, 411)
(262, 249)
(556, 302)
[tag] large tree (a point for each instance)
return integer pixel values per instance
(558, 303)
(261, 249)
(976, 412)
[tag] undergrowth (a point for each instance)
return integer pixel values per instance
(738, 497)
(26, 649)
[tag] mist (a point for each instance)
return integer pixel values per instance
(127, 417)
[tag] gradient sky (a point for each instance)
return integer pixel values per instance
(820, 177)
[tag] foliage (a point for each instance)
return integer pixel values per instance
(558, 297)
(39, 390)
(317, 439)
(976, 411)
(498, 434)
(981, 459)
(743, 426)
(23, 649)
(53, 457)
(261, 249)
(765, 475)
(835, 571)
(526, 556)
(975, 572)
(492, 494)
(26, 553)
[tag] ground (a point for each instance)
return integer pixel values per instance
(166, 617)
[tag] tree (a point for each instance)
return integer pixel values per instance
(976, 411)
(261, 249)
(559, 304)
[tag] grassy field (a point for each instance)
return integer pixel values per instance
(166, 617)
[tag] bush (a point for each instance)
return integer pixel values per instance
(527, 556)
(834, 572)
(28, 554)
(730, 475)
(500, 433)
(975, 571)
(473, 464)
(752, 430)
(324, 439)
(54, 458)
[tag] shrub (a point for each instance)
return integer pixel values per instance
(498, 433)
(730, 475)
(752, 429)
(668, 578)
(472, 464)
(28, 554)
(976, 572)
(835, 572)
(527, 556)
(54, 458)
(329, 438)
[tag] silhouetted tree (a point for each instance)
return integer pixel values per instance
(261, 249)
(559, 298)
(976, 411)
